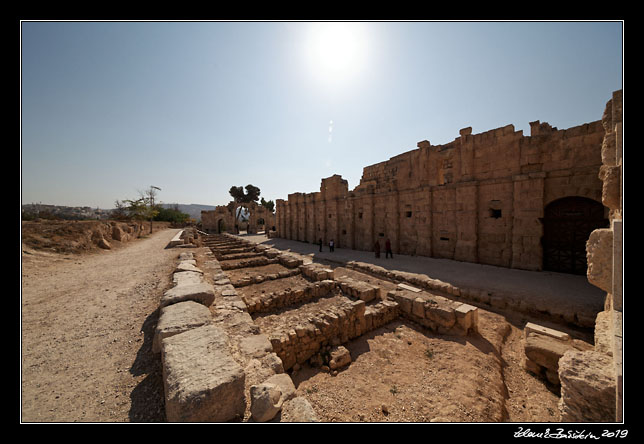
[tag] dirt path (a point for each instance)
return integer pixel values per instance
(87, 325)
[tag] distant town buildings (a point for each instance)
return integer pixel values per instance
(43, 211)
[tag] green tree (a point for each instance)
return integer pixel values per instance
(143, 208)
(269, 205)
(173, 215)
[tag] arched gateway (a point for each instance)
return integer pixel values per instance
(567, 224)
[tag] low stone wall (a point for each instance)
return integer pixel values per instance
(437, 313)
(333, 326)
(316, 272)
(213, 355)
(497, 300)
(245, 281)
(274, 301)
(245, 263)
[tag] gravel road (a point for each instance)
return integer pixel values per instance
(86, 333)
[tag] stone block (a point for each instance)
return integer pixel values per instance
(187, 266)
(404, 299)
(203, 293)
(298, 409)
(539, 329)
(599, 252)
(187, 277)
(545, 350)
(418, 308)
(255, 346)
(178, 318)
(202, 381)
(467, 317)
(285, 384)
(339, 357)
(409, 288)
(441, 314)
(588, 390)
(265, 401)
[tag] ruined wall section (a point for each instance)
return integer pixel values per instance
(221, 219)
(479, 198)
(600, 384)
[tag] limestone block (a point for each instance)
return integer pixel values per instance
(202, 381)
(178, 318)
(255, 346)
(611, 178)
(467, 317)
(203, 293)
(187, 266)
(545, 350)
(266, 401)
(285, 384)
(119, 234)
(539, 329)
(298, 409)
(409, 288)
(339, 357)
(187, 277)
(186, 255)
(588, 391)
(599, 248)
(441, 314)
(418, 307)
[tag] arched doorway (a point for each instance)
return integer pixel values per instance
(567, 225)
(221, 226)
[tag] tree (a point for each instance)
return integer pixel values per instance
(269, 205)
(144, 207)
(241, 199)
(120, 211)
(173, 215)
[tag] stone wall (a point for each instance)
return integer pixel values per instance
(222, 220)
(591, 381)
(478, 199)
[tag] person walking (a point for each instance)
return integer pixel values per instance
(388, 251)
(376, 248)
(331, 246)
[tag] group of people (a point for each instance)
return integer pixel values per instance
(376, 248)
(388, 252)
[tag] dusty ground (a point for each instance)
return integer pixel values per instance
(88, 320)
(403, 372)
(87, 324)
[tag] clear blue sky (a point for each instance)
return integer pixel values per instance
(110, 108)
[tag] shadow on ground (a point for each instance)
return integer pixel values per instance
(147, 397)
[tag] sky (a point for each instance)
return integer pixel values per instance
(109, 109)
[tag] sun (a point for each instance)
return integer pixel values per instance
(336, 51)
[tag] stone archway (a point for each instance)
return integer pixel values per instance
(221, 226)
(567, 224)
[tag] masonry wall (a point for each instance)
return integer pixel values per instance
(479, 198)
(222, 218)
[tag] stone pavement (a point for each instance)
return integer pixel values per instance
(564, 292)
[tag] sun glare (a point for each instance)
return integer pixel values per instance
(336, 51)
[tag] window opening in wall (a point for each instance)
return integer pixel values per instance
(344, 231)
(359, 215)
(495, 214)
(444, 238)
(381, 234)
(408, 214)
(329, 216)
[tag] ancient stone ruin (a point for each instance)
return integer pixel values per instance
(242, 318)
(222, 220)
(497, 198)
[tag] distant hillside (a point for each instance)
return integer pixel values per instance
(194, 210)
